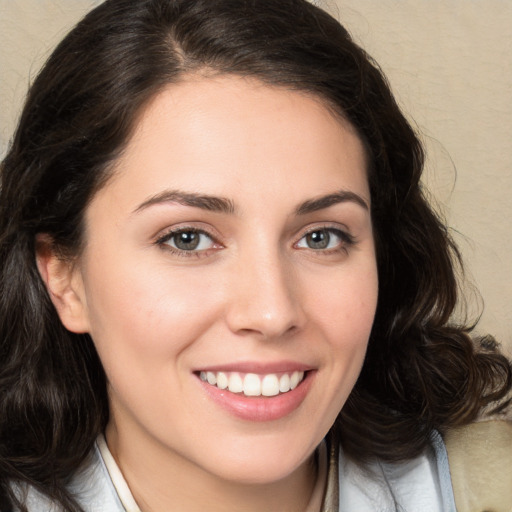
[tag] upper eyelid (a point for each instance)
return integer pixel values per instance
(171, 231)
(326, 227)
(163, 242)
(168, 232)
(346, 243)
(333, 226)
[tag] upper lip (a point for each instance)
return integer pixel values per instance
(258, 367)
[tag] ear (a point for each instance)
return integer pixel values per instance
(64, 284)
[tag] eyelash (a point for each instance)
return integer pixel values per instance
(167, 237)
(347, 241)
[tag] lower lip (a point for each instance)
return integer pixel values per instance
(260, 408)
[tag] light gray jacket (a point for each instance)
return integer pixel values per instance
(420, 485)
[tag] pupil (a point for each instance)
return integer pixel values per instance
(318, 240)
(187, 240)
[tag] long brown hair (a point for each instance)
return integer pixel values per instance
(421, 372)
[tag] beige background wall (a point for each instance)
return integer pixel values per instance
(450, 64)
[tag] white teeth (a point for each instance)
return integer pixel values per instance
(252, 384)
(222, 380)
(235, 383)
(294, 379)
(284, 383)
(270, 385)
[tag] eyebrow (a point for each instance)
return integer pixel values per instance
(320, 203)
(224, 205)
(205, 202)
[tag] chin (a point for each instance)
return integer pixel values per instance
(260, 465)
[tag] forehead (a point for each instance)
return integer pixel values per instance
(208, 134)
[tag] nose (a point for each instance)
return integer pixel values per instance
(264, 299)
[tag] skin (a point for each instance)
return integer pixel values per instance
(254, 292)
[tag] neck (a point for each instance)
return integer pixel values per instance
(164, 480)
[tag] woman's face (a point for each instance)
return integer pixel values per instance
(233, 244)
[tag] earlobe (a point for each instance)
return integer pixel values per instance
(63, 283)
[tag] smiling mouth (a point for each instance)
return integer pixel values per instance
(252, 384)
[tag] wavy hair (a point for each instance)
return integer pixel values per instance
(421, 372)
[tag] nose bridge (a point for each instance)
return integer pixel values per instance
(264, 296)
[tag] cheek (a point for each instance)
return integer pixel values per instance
(344, 311)
(346, 308)
(142, 317)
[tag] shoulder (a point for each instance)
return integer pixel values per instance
(91, 485)
(481, 463)
(422, 484)
(94, 488)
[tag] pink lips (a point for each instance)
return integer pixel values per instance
(260, 368)
(259, 408)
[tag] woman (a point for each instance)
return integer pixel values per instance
(221, 283)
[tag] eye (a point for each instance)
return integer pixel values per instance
(189, 240)
(325, 239)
